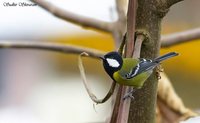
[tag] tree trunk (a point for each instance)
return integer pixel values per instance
(148, 23)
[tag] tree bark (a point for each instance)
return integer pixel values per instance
(148, 23)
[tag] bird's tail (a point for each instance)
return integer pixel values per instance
(164, 57)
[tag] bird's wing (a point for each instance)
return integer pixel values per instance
(143, 66)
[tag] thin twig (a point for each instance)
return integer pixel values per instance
(117, 95)
(121, 107)
(180, 37)
(50, 47)
(138, 44)
(74, 18)
(89, 91)
(131, 19)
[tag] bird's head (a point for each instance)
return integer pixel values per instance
(112, 62)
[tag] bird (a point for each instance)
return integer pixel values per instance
(131, 71)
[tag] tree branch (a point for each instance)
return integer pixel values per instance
(50, 47)
(120, 26)
(180, 37)
(168, 40)
(86, 22)
(131, 19)
(170, 105)
(121, 6)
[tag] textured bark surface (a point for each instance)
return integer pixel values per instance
(148, 22)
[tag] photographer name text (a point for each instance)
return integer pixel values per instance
(21, 4)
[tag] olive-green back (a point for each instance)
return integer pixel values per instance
(128, 65)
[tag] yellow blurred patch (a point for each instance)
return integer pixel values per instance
(102, 42)
(189, 56)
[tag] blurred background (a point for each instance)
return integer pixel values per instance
(45, 87)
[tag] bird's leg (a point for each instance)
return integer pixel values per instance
(129, 94)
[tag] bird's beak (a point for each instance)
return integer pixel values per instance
(101, 57)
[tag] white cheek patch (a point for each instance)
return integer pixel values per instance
(112, 62)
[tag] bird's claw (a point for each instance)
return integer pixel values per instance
(129, 95)
(159, 69)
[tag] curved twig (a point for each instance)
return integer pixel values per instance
(74, 18)
(138, 43)
(92, 96)
(63, 49)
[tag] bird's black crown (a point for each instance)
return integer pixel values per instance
(112, 62)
